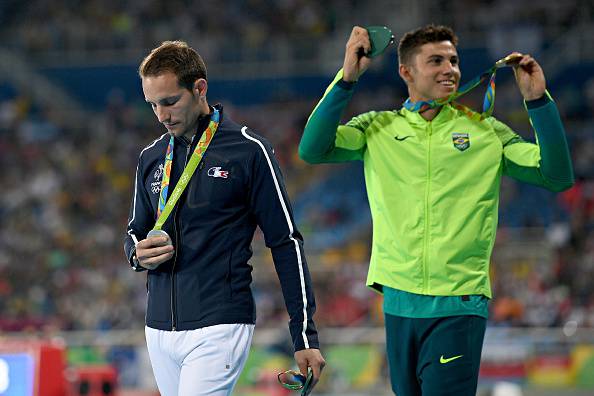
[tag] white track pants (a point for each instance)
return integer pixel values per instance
(200, 362)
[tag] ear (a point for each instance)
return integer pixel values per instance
(405, 73)
(200, 88)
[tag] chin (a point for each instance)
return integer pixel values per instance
(175, 131)
(446, 94)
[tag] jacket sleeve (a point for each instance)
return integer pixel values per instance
(270, 205)
(140, 218)
(546, 163)
(324, 140)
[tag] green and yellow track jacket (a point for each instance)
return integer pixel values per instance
(433, 186)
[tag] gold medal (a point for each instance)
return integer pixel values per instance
(510, 60)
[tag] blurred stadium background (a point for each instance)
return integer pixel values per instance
(73, 121)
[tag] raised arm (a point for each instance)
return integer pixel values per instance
(547, 163)
(324, 139)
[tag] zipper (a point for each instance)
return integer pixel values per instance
(178, 242)
(427, 194)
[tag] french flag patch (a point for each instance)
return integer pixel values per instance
(216, 171)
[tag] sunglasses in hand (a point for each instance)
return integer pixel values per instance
(294, 380)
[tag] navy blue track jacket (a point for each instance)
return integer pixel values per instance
(236, 187)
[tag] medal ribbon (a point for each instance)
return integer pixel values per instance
(166, 175)
(488, 101)
(165, 208)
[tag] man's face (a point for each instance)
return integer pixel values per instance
(175, 107)
(434, 72)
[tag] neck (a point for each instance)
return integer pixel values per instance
(431, 113)
(204, 110)
(427, 114)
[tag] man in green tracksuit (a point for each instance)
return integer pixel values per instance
(433, 180)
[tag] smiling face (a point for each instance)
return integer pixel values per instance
(433, 71)
(176, 107)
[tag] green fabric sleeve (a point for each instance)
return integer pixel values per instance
(555, 159)
(546, 163)
(324, 140)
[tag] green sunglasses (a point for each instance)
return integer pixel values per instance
(294, 380)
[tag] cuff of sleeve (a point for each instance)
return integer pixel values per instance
(346, 84)
(545, 99)
(134, 262)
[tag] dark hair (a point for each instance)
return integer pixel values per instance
(411, 41)
(176, 57)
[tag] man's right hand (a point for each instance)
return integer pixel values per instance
(310, 358)
(153, 251)
(355, 64)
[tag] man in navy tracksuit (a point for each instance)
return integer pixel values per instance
(201, 312)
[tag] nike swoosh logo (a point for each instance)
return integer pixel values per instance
(443, 360)
(400, 139)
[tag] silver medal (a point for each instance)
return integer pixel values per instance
(159, 233)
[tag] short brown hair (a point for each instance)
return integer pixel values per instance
(411, 41)
(176, 57)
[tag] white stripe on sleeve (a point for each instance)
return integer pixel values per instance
(291, 228)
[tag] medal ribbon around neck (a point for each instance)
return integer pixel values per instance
(488, 101)
(167, 205)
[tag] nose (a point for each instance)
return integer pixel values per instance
(449, 68)
(161, 113)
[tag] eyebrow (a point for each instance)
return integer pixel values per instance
(436, 56)
(167, 100)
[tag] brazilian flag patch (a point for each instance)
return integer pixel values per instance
(461, 141)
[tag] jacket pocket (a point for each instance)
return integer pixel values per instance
(159, 297)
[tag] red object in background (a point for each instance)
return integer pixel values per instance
(503, 370)
(93, 380)
(48, 363)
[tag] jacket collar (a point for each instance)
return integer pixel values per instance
(446, 114)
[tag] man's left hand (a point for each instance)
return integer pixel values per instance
(310, 358)
(530, 78)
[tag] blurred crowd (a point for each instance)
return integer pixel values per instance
(259, 30)
(95, 25)
(67, 188)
